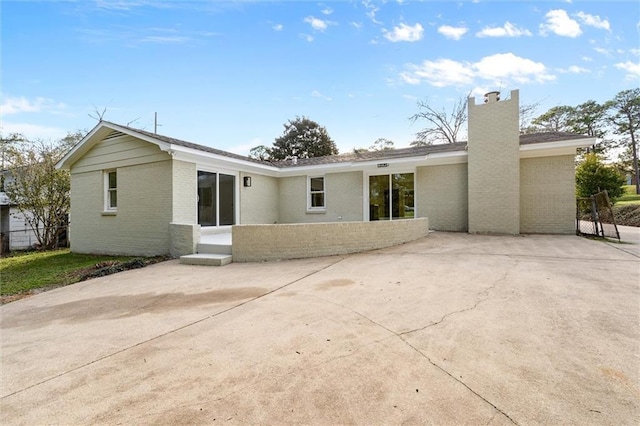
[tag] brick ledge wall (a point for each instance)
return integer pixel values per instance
(253, 243)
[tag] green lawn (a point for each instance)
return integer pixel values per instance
(28, 271)
(629, 197)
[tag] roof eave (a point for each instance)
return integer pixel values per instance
(183, 153)
(562, 147)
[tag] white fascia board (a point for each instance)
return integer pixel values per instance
(351, 166)
(444, 158)
(209, 159)
(549, 149)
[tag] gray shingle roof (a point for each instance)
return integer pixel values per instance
(419, 151)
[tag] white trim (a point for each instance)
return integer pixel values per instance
(236, 195)
(388, 172)
(108, 208)
(549, 149)
(322, 209)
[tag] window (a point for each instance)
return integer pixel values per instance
(391, 196)
(316, 193)
(111, 190)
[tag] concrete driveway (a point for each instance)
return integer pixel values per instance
(450, 329)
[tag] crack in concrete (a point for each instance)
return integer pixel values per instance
(475, 305)
(418, 351)
(182, 327)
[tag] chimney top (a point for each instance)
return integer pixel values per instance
(491, 97)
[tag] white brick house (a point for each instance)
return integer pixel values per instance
(136, 192)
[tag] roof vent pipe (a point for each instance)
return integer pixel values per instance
(294, 160)
(491, 97)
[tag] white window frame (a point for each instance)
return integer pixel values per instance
(311, 209)
(107, 191)
(390, 171)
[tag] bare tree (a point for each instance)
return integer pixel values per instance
(442, 127)
(98, 114)
(526, 114)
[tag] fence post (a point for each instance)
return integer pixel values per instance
(595, 217)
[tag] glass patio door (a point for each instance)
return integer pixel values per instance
(216, 199)
(391, 196)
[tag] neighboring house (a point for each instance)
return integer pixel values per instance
(15, 232)
(136, 192)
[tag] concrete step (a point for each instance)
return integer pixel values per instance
(206, 259)
(208, 248)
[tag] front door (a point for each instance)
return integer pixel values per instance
(216, 199)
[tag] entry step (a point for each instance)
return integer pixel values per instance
(206, 259)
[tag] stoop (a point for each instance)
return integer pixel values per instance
(206, 259)
(213, 250)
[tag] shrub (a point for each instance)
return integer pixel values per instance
(592, 176)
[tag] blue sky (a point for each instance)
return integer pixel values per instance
(228, 74)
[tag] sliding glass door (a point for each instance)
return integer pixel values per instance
(216, 199)
(391, 196)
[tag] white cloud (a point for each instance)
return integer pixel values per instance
(404, 32)
(511, 67)
(307, 37)
(278, 27)
(559, 23)
(316, 24)
(635, 52)
(357, 25)
(498, 69)
(327, 11)
(507, 30)
(34, 131)
(245, 148)
(317, 94)
(440, 73)
(454, 33)
(593, 21)
(371, 11)
(632, 69)
(11, 105)
(602, 51)
(574, 69)
(164, 39)
(587, 58)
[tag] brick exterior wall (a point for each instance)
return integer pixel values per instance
(442, 196)
(252, 243)
(184, 184)
(259, 203)
(184, 238)
(494, 166)
(141, 225)
(547, 195)
(343, 199)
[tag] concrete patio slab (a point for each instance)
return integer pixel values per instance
(450, 329)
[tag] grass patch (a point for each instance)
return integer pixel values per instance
(629, 196)
(29, 272)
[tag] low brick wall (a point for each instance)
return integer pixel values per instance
(184, 238)
(252, 243)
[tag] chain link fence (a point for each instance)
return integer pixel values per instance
(25, 239)
(594, 216)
